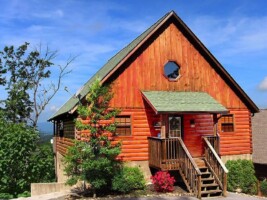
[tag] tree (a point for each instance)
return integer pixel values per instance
(26, 72)
(94, 159)
(42, 162)
(24, 75)
(17, 142)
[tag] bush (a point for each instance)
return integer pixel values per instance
(241, 175)
(264, 187)
(6, 196)
(17, 142)
(82, 164)
(128, 179)
(24, 194)
(163, 182)
(43, 166)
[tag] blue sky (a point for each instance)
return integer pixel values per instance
(234, 31)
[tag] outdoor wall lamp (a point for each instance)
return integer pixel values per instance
(192, 123)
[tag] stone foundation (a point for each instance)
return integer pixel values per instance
(60, 169)
(236, 157)
(46, 188)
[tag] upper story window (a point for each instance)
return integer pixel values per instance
(227, 123)
(123, 125)
(171, 70)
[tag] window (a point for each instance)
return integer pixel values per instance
(69, 129)
(123, 125)
(227, 123)
(171, 71)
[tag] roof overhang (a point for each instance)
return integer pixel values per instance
(183, 102)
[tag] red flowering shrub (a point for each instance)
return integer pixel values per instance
(163, 182)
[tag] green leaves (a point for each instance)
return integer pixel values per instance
(17, 143)
(129, 179)
(22, 160)
(241, 175)
(24, 72)
(94, 161)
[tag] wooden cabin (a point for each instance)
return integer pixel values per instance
(181, 110)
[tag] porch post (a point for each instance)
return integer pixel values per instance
(215, 126)
(163, 126)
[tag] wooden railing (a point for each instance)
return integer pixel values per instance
(171, 154)
(215, 143)
(189, 170)
(216, 165)
(163, 153)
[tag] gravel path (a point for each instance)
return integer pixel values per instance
(231, 196)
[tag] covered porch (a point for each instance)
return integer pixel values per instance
(187, 139)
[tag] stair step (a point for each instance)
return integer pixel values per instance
(205, 173)
(207, 179)
(211, 191)
(200, 162)
(210, 185)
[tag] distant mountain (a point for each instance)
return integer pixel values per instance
(45, 128)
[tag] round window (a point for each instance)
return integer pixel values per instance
(171, 70)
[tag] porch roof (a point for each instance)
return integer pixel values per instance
(182, 102)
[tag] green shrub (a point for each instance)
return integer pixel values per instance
(6, 196)
(241, 175)
(98, 169)
(17, 144)
(25, 194)
(128, 179)
(264, 187)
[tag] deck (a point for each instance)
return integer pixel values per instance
(171, 154)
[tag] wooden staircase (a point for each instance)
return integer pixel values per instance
(203, 177)
(209, 185)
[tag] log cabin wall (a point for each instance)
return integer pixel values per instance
(193, 135)
(145, 72)
(135, 147)
(239, 141)
(65, 140)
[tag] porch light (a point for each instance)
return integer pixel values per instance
(192, 123)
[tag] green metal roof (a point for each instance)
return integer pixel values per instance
(103, 72)
(165, 101)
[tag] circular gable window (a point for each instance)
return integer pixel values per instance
(171, 70)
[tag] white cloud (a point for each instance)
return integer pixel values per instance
(234, 35)
(53, 108)
(263, 84)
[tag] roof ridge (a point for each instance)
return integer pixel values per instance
(110, 65)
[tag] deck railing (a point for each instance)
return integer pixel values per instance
(216, 165)
(163, 153)
(215, 143)
(189, 170)
(172, 154)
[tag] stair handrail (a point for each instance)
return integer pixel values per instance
(195, 168)
(222, 179)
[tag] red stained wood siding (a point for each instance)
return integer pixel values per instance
(193, 135)
(145, 72)
(135, 147)
(239, 141)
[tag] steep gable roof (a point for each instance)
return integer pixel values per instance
(116, 61)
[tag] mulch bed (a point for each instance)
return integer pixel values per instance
(148, 192)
